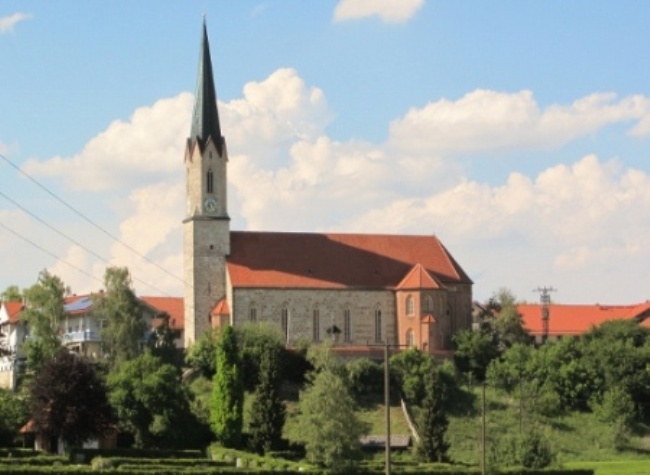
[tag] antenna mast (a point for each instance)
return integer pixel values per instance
(545, 301)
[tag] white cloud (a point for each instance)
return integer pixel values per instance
(584, 222)
(390, 11)
(7, 23)
(275, 113)
(128, 153)
(485, 120)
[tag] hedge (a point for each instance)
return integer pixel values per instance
(86, 455)
(167, 470)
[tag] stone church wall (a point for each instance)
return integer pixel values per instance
(266, 305)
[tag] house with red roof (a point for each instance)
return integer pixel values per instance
(574, 320)
(80, 331)
(360, 291)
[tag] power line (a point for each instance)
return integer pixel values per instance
(65, 236)
(85, 218)
(37, 246)
(88, 220)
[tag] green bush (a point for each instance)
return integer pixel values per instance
(535, 451)
(86, 455)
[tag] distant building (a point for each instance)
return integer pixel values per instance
(80, 331)
(574, 320)
(359, 290)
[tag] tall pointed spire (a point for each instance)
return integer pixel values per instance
(205, 118)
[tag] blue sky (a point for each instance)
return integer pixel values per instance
(515, 131)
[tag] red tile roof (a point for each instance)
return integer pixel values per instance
(173, 306)
(13, 311)
(221, 308)
(578, 319)
(305, 260)
(418, 278)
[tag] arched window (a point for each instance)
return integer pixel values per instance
(410, 306)
(428, 303)
(316, 325)
(210, 181)
(284, 322)
(378, 324)
(410, 341)
(347, 334)
(253, 315)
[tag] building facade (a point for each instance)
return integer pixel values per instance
(358, 290)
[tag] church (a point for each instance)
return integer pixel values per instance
(360, 291)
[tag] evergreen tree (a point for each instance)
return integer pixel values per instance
(124, 327)
(432, 421)
(226, 411)
(267, 411)
(69, 400)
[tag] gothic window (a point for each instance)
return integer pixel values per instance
(253, 315)
(316, 325)
(284, 322)
(410, 341)
(378, 325)
(428, 303)
(210, 181)
(347, 334)
(410, 307)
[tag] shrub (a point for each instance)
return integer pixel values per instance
(535, 451)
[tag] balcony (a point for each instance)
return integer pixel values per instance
(80, 336)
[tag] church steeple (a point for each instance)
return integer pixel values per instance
(206, 227)
(205, 118)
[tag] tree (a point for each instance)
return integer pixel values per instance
(365, 376)
(326, 422)
(68, 399)
(475, 350)
(201, 355)
(432, 420)
(226, 409)
(44, 313)
(151, 403)
(509, 324)
(14, 413)
(124, 326)
(11, 294)
(267, 411)
(253, 341)
(161, 341)
(409, 369)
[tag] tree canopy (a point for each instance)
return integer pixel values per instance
(151, 403)
(267, 411)
(124, 326)
(326, 422)
(69, 400)
(226, 409)
(43, 314)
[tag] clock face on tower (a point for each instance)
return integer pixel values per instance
(210, 205)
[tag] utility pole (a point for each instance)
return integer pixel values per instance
(545, 301)
(483, 430)
(387, 403)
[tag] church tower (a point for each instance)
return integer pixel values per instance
(206, 233)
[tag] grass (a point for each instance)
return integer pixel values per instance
(372, 411)
(615, 467)
(577, 439)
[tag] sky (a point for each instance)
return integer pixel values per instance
(516, 132)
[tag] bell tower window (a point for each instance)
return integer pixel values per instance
(210, 181)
